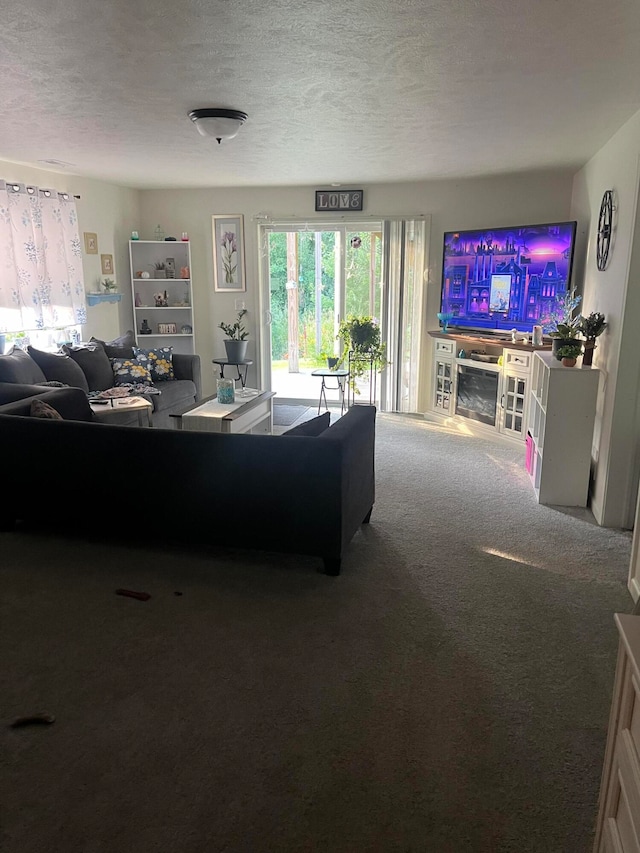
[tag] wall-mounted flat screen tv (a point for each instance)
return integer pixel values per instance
(504, 278)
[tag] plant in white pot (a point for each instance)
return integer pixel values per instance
(236, 340)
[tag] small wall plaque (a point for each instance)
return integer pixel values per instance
(330, 200)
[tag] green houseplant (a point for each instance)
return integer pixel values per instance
(561, 324)
(568, 353)
(236, 340)
(362, 348)
(591, 326)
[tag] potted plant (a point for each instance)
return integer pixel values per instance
(363, 347)
(160, 269)
(236, 341)
(568, 354)
(561, 324)
(591, 326)
(109, 285)
(331, 360)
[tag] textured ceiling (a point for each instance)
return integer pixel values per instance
(356, 92)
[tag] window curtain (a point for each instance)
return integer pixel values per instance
(41, 278)
(404, 263)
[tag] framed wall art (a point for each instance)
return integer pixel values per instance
(90, 243)
(228, 253)
(106, 262)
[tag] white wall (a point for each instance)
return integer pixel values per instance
(526, 198)
(616, 293)
(109, 211)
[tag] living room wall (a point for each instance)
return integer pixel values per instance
(107, 210)
(615, 292)
(474, 202)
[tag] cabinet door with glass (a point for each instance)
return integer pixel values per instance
(515, 391)
(443, 385)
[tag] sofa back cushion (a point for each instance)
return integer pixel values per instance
(60, 368)
(18, 366)
(70, 403)
(95, 365)
(121, 347)
(315, 426)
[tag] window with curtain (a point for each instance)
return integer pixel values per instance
(41, 278)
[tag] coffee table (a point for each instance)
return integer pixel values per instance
(115, 408)
(254, 414)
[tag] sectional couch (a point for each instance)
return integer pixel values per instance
(305, 494)
(90, 369)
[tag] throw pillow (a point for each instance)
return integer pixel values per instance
(315, 426)
(131, 371)
(40, 409)
(60, 368)
(160, 362)
(18, 366)
(95, 365)
(121, 347)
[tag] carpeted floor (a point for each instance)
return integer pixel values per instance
(449, 692)
(286, 415)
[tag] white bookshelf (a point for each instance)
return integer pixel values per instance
(562, 407)
(143, 256)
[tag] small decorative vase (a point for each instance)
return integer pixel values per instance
(145, 328)
(236, 351)
(587, 355)
(226, 391)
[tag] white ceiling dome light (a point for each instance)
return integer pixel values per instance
(218, 123)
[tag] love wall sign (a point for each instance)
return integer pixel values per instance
(328, 201)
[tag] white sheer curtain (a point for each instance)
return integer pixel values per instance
(41, 279)
(404, 262)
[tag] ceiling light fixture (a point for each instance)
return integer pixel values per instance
(219, 123)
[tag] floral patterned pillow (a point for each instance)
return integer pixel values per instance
(131, 371)
(160, 362)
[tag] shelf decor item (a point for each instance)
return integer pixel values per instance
(228, 253)
(591, 326)
(568, 354)
(236, 341)
(561, 324)
(226, 391)
(445, 317)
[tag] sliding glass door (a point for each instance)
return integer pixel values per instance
(313, 277)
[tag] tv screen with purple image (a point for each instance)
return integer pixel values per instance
(504, 278)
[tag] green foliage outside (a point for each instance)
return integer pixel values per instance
(357, 290)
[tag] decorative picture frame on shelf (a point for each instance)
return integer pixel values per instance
(90, 243)
(228, 253)
(106, 262)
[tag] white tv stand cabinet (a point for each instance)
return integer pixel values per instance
(457, 380)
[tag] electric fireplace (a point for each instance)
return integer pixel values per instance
(477, 394)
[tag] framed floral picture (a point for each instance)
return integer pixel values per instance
(90, 243)
(106, 262)
(228, 253)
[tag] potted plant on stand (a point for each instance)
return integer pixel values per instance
(568, 353)
(363, 348)
(236, 341)
(591, 326)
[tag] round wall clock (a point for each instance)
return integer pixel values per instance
(605, 228)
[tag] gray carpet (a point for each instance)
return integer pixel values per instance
(449, 692)
(286, 415)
